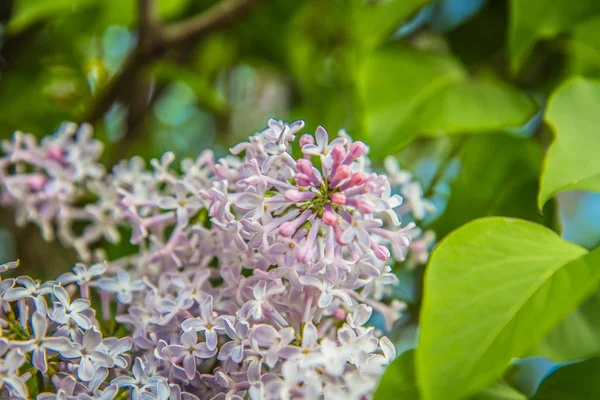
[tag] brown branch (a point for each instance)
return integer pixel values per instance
(214, 18)
(121, 83)
(158, 40)
(147, 18)
(149, 28)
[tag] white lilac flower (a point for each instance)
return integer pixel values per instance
(254, 309)
(189, 350)
(8, 266)
(122, 286)
(82, 275)
(116, 349)
(40, 344)
(10, 362)
(234, 348)
(28, 289)
(64, 390)
(91, 356)
(140, 380)
(266, 336)
(92, 391)
(66, 311)
(183, 202)
(206, 323)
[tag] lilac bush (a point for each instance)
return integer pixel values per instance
(254, 276)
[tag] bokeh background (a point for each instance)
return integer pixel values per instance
(455, 89)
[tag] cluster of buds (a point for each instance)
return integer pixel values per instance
(255, 276)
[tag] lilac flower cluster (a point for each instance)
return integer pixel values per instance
(417, 206)
(57, 341)
(255, 275)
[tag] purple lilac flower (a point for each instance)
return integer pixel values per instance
(10, 363)
(40, 344)
(189, 350)
(253, 276)
(66, 311)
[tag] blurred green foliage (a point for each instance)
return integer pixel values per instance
(455, 89)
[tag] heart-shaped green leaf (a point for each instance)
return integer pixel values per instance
(493, 289)
(572, 161)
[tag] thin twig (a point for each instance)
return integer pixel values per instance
(158, 40)
(147, 19)
(214, 18)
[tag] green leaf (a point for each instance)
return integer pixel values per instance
(577, 381)
(124, 12)
(398, 382)
(324, 59)
(572, 161)
(583, 49)
(532, 20)
(395, 82)
(493, 289)
(509, 189)
(475, 107)
(168, 9)
(30, 12)
(500, 391)
(378, 20)
(408, 92)
(577, 337)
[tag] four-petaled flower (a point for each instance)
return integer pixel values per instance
(189, 350)
(10, 362)
(183, 203)
(91, 356)
(122, 285)
(40, 344)
(206, 323)
(234, 349)
(66, 310)
(328, 291)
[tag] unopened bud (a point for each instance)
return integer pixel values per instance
(329, 217)
(338, 198)
(364, 206)
(306, 139)
(305, 166)
(358, 149)
(338, 154)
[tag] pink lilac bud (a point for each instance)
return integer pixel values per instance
(306, 139)
(342, 173)
(36, 182)
(302, 180)
(56, 153)
(305, 166)
(329, 217)
(381, 252)
(357, 179)
(339, 314)
(337, 230)
(338, 154)
(287, 229)
(295, 195)
(338, 198)
(357, 150)
(364, 206)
